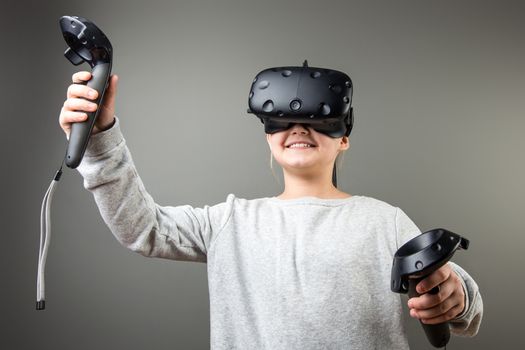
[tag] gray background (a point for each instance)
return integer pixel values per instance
(439, 91)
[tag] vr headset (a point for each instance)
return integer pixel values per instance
(321, 98)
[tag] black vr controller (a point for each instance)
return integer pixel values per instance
(417, 259)
(88, 44)
(319, 97)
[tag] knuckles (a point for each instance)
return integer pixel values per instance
(456, 278)
(444, 272)
(451, 314)
(458, 286)
(439, 297)
(442, 308)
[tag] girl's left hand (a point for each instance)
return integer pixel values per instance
(448, 303)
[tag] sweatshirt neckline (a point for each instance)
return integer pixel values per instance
(314, 200)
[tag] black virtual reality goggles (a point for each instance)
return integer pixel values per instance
(319, 97)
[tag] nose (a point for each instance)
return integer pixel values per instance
(299, 128)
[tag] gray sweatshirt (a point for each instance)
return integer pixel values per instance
(305, 273)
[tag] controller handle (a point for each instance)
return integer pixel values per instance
(87, 43)
(437, 334)
(417, 259)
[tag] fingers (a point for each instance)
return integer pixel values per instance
(79, 104)
(428, 306)
(78, 90)
(443, 306)
(434, 279)
(72, 116)
(80, 101)
(68, 117)
(112, 88)
(76, 105)
(74, 110)
(444, 317)
(81, 77)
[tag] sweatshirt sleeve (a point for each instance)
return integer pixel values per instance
(468, 322)
(138, 223)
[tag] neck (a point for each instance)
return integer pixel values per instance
(310, 185)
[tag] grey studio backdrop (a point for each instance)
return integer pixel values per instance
(439, 132)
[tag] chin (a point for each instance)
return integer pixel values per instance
(298, 163)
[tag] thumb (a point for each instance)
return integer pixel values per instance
(112, 87)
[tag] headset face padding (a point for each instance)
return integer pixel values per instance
(336, 129)
(319, 97)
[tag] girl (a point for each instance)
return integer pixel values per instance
(307, 269)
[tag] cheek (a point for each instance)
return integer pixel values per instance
(275, 142)
(328, 144)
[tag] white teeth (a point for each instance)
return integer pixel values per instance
(299, 145)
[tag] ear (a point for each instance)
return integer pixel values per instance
(268, 140)
(345, 143)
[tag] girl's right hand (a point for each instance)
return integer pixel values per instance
(77, 104)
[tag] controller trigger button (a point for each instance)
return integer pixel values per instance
(73, 57)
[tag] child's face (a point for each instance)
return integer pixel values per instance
(320, 153)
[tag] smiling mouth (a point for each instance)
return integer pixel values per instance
(300, 145)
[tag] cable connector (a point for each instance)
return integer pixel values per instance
(41, 305)
(58, 174)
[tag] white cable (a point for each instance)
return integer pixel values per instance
(45, 235)
(42, 242)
